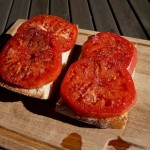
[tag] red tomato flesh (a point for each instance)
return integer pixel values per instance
(98, 87)
(64, 32)
(112, 45)
(30, 59)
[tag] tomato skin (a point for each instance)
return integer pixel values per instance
(64, 32)
(98, 87)
(30, 59)
(112, 45)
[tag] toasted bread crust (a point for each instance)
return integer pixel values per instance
(117, 122)
(41, 93)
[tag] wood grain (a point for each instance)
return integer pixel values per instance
(27, 123)
(126, 19)
(19, 9)
(80, 17)
(21, 142)
(142, 10)
(63, 12)
(39, 7)
(4, 13)
(100, 9)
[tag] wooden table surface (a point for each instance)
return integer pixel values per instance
(126, 17)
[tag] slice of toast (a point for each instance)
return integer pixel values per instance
(117, 122)
(45, 91)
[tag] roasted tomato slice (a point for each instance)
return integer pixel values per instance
(30, 59)
(64, 31)
(112, 45)
(98, 88)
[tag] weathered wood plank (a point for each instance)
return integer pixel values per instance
(5, 6)
(126, 19)
(80, 14)
(21, 142)
(103, 17)
(39, 7)
(60, 8)
(142, 9)
(20, 9)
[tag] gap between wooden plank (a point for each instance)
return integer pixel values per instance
(102, 16)
(81, 16)
(39, 7)
(126, 19)
(19, 9)
(60, 9)
(4, 13)
(141, 9)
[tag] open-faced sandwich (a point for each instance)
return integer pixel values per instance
(98, 88)
(33, 58)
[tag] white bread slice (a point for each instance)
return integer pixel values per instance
(118, 122)
(43, 92)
